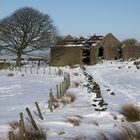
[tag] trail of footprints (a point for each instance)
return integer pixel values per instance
(94, 89)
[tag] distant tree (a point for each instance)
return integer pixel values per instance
(129, 41)
(25, 31)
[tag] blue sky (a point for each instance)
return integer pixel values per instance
(86, 17)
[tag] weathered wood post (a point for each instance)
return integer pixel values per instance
(21, 130)
(11, 135)
(51, 101)
(31, 69)
(39, 111)
(60, 88)
(32, 119)
(65, 84)
(22, 121)
(57, 92)
(68, 80)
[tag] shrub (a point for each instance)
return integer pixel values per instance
(75, 120)
(131, 112)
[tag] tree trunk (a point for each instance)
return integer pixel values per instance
(18, 60)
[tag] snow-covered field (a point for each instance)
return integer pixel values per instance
(21, 90)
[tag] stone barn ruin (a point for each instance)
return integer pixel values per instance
(90, 51)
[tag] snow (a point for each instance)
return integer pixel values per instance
(23, 89)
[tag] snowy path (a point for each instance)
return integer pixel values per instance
(125, 83)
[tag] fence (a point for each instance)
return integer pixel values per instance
(61, 89)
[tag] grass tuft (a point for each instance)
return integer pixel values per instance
(13, 125)
(75, 84)
(131, 112)
(75, 120)
(68, 98)
(30, 133)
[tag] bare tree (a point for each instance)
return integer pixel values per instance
(25, 31)
(129, 41)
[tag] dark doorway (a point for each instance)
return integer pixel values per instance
(86, 56)
(101, 52)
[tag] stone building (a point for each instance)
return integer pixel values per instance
(89, 51)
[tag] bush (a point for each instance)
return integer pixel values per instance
(131, 112)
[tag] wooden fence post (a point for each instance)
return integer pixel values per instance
(21, 130)
(57, 92)
(68, 80)
(11, 135)
(39, 111)
(22, 121)
(60, 88)
(37, 69)
(31, 118)
(51, 101)
(31, 69)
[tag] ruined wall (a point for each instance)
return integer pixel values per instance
(94, 55)
(110, 45)
(62, 56)
(4, 65)
(130, 52)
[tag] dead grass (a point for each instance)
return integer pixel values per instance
(71, 96)
(75, 120)
(68, 98)
(75, 84)
(75, 74)
(114, 116)
(10, 74)
(131, 112)
(128, 132)
(30, 133)
(13, 125)
(80, 138)
(101, 136)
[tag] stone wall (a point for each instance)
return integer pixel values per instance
(110, 45)
(4, 65)
(130, 52)
(94, 55)
(62, 56)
